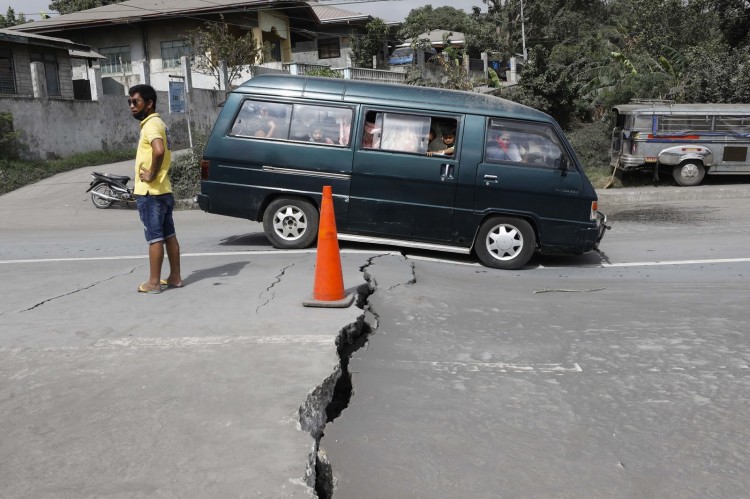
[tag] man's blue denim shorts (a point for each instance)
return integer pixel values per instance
(156, 215)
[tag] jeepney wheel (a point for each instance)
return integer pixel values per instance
(291, 223)
(689, 173)
(505, 243)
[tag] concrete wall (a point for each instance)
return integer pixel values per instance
(306, 52)
(59, 128)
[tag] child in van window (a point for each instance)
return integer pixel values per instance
(449, 139)
(317, 136)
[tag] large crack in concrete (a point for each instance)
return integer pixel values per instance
(328, 400)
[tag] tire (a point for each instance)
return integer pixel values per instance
(101, 203)
(291, 223)
(689, 173)
(505, 243)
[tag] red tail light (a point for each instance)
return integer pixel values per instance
(204, 169)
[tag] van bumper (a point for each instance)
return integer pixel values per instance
(204, 203)
(590, 237)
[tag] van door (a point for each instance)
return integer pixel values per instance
(526, 171)
(397, 189)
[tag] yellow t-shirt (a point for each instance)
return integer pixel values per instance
(152, 128)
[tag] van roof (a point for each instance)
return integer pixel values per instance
(660, 108)
(433, 99)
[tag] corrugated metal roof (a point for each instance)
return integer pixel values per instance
(139, 10)
(328, 14)
(12, 35)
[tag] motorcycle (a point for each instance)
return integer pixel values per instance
(106, 189)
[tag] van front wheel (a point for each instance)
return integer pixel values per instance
(689, 173)
(291, 223)
(505, 243)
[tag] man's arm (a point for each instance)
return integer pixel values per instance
(157, 157)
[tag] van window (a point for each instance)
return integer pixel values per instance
(262, 119)
(406, 133)
(526, 143)
(272, 120)
(321, 124)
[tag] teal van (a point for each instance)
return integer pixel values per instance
(409, 166)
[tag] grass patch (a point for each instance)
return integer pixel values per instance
(15, 174)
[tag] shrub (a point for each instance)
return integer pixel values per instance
(494, 79)
(326, 72)
(10, 145)
(185, 173)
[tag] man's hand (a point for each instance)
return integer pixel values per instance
(146, 175)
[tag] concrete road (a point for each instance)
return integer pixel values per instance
(621, 375)
(476, 382)
(218, 389)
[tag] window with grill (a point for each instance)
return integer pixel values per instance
(733, 124)
(172, 51)
(7, 73)
(117, 60)
(694, 123)
(51, 74)
(329, 48)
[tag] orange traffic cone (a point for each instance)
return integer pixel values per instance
(328, 290)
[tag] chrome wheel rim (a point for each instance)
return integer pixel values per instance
(689, 171)
(289, 223)
(504, 242)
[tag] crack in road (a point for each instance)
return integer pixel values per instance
(76, 291)
(329, 399)
(268, 289)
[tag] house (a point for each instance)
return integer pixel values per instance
(18, 52)
(428, 44)
(142, 40)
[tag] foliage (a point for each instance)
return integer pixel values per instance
(591, 143)
(217, 44)
(68, 6)
(494, 79)
(10, 143)
(16, 174)
(184, 172)
(324, 72)
(372, 43)
(10, 19)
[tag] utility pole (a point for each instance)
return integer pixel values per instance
(523, 34)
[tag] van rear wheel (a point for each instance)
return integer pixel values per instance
(505, 243)
(689, 173)
(291, 223)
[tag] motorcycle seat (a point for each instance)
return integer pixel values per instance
(118, 178)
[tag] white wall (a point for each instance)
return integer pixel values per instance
(59, 128)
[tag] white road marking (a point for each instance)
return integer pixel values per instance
(183, 255)
(474, 366)
(186, 342)
(371, 252)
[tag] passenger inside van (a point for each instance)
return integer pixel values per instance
(502, 148)
(449, 139)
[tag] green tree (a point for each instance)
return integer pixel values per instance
(10, 19)
(372, 43)
(217, 44)
(69, 6)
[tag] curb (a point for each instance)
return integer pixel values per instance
(641, 195)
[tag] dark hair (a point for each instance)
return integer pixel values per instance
(450, 131)
(147, 92)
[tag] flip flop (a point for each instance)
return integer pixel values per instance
(142, 289)
(165, 284)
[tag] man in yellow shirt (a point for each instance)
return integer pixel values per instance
(153, 190)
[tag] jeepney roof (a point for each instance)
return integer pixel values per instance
(398, 95)
(706, 109)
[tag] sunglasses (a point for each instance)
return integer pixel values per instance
(134, 102)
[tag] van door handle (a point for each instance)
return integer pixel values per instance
(490, 178)
(446, 171)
